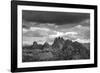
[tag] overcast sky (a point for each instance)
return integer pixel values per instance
(44, 26)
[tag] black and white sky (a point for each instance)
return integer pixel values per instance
(44, 26)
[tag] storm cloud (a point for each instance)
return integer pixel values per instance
(54, 17)
(43, 26)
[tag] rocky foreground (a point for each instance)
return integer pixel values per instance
(60, 50)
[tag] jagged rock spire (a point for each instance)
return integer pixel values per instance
(35, 45)
(46, 45)
(58, 43)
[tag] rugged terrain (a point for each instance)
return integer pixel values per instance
(60, 50)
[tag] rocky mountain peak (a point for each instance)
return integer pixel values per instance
(46, 45)
(58, 43)
(35, 45)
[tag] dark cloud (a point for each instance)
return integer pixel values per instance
(44, 26)
(54, 17)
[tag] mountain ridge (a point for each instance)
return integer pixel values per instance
(60, 50)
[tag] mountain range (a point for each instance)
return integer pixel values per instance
(60, 50)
